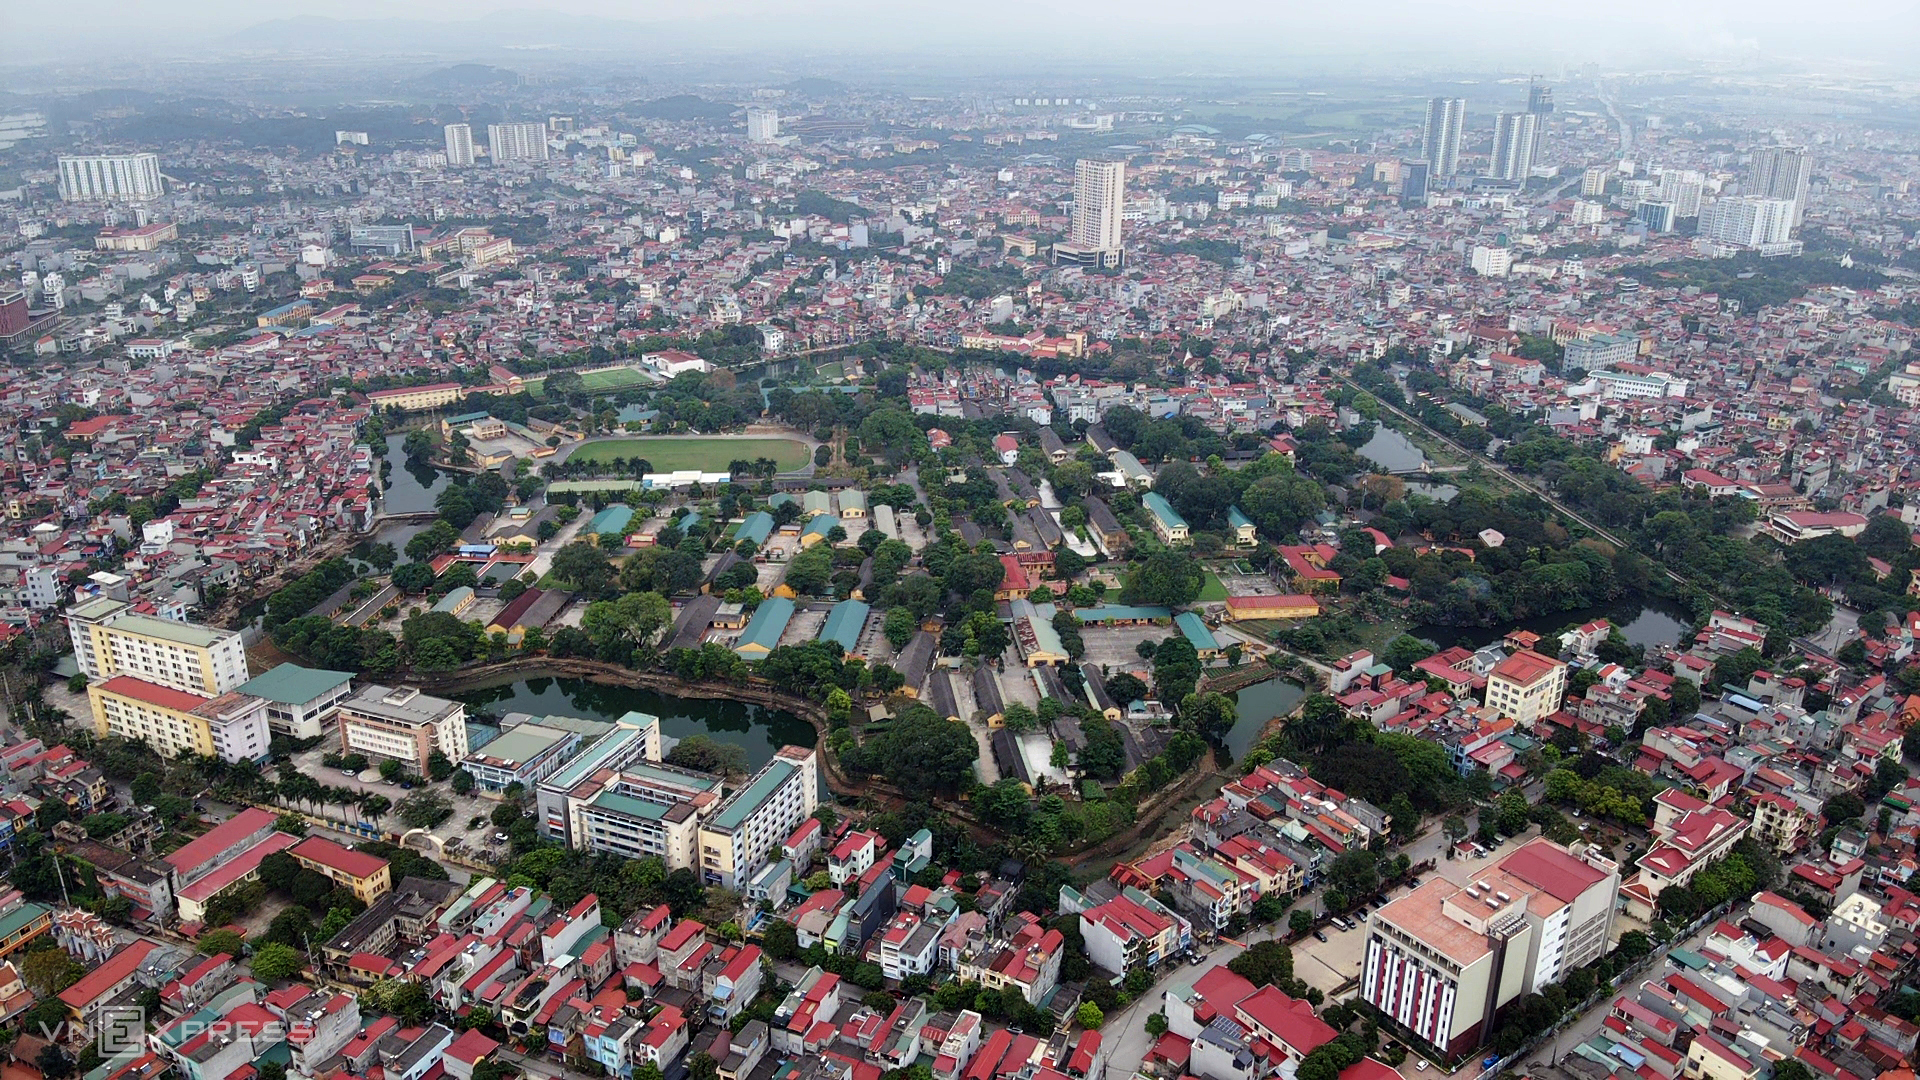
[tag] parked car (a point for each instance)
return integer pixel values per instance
(1420, 1066)
(1319, 935)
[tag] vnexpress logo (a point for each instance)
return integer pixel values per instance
(123, 1030)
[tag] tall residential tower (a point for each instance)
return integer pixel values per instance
(110, 177)
(1515, 136)
(1099, 197)
(1782, 172)
(1440, 136)
(517, 142)
(459, 145)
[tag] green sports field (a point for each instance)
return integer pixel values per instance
(598, 382)
(668, 453)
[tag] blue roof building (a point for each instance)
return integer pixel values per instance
(845, 622)
(817, 529)
(1197, 633)
(764, 629)
(614, 519)
(1168, 525)
(1242, 527)
(757, 527)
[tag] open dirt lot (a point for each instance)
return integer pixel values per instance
(1117, 647)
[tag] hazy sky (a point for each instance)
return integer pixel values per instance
(1867, 30)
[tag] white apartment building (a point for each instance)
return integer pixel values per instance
(1515, 137)
(1099, 205)
(1440, 136)
(459, 145)
(402, 724)
(1623, 384)
(1782, 172)
(109, 639)
(1492, 261)
(517, 142)
(110, 177)
(1444, 959)
(1748, 221)
(44, 588)
(735, 840)
(763, 124)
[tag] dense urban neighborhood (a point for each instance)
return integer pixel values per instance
(795, 580)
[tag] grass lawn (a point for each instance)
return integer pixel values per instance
(668, 453)
(597, 382)
(1213, 591)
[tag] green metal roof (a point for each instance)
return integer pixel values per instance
(291, 684)
(768, 623)
(1162, 509)
(750, 797)
(630, 806)
(168, 630)
(597, 754)
(821, 525)
(524, 743)
(611, 520)
(1121, 613)
(845, 622)
(455, 597)
(20, 918)
(1195, 630)
(1237, 519)
(757, 527)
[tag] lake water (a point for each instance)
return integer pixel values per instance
(1392, 451)
(1649, 624)
(1258, 704)
(412, 487)
(758, 729)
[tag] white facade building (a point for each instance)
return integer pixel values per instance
(459, 145)
(1441, 134)
(1515, 138)
(1492, 261)
(517, 142)
(763, 124)
(1099, 204)
(1749, 221)
(111, 177)
(1782, 172)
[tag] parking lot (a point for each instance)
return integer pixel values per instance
(1116, 648)
(474, 838)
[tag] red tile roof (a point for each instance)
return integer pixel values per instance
(321, 850)
(153, 694)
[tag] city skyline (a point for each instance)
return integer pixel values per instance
(1363, 40)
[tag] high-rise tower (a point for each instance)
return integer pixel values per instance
(1440, 137)
(459, 145)
(1099, 197)
(1782, 172)
(1515, 136)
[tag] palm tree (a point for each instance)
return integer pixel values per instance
(375, 806)
(343, 797)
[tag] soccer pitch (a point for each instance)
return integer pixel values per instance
(597, 382)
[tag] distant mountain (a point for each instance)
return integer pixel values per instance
(497, 30)
(811, 87)
(680, 107)
(469, 77)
